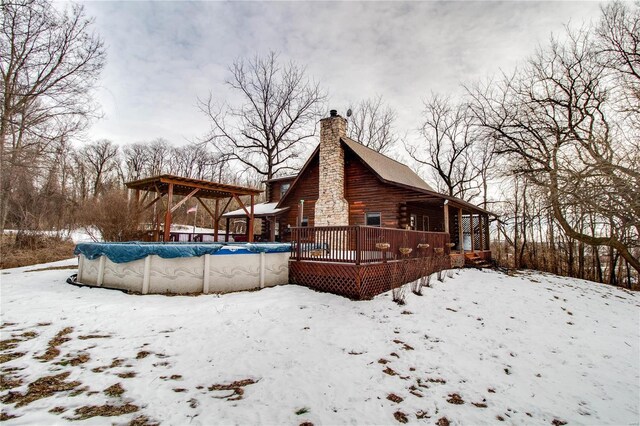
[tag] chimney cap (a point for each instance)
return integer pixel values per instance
(333, 113)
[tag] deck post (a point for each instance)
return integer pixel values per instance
(358, 245)
(226, 234)
(446, 216)
(460, 232)
(473, 239)
(481, 231)
(486, 233)
(167, 216)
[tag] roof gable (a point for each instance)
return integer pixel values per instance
(387, 169)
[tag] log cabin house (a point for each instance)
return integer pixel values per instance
(352, 214)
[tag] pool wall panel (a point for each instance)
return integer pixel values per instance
(227, 273)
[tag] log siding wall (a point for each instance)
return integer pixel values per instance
(365, 193)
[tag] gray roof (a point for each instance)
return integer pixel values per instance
(386, 168)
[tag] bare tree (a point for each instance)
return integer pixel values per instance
(618, 48)
(49, 64)
(276, 114)
(102, 159)
(553, 121)
(372, 124)
(447, 147)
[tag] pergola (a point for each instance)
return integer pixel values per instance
(170, 185)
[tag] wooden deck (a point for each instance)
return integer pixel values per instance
(360, 262)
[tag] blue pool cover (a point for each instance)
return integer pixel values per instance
(130, 251)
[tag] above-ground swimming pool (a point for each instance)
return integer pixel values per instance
(182, 268)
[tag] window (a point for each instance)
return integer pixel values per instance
(305, 221)
(425, 223)
(372, 219)
(284, 188)
(412, 222)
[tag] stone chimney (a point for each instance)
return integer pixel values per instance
(332, 208)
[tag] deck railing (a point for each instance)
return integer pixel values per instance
(365, 244)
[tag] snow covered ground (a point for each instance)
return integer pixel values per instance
(479, 348)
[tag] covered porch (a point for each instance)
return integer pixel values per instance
(466, 225)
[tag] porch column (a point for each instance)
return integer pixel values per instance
(473, 239)
(486, 233)
(460, 232)
(167, 216)
(272, 228)
(480, 231)
(446, 216)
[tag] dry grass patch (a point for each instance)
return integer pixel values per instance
(58, 410)
(400, 416)
(4, 416)
(172, 377)
(443, 421)
(76, 360)
(44, 387)
(52, 347)
(28, 335)
(114, 390)
(117, 362)
(7, 344)
(143, 421)
(89, 411)
(9, 382)
(33, 249)
(456, 399)
(395, 398)
(142, 354)
(236, 387)
(127, 374)
(6, 357)
(94, 336)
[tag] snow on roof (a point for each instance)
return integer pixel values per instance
(260, 209)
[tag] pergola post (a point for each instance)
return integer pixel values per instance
(167, 216)
(216, 219)
(460, 231)
(226, 235)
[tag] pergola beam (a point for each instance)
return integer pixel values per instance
(185, 199)
(155, 200)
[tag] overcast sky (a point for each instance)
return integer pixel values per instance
(163, 55)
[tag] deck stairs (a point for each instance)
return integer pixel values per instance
(472, 260)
